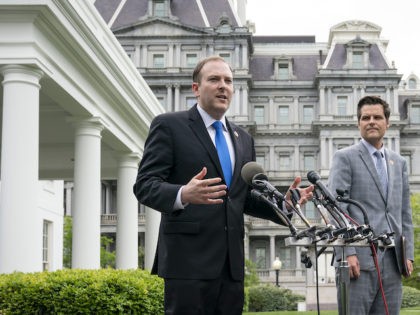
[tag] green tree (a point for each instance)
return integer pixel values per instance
(107, 257)
(67, 239)
(414, 280)
(251, 276)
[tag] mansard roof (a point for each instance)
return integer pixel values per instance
(187, 12)
(339, 57)
(304, 67)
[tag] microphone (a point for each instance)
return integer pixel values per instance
(249, 170)
(315, 179)
(253, 174)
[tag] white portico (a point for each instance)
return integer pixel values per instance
(73, 107)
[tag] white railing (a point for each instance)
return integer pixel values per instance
(111, 219)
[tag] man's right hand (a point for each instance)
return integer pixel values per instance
(203, 191)
(354, 266)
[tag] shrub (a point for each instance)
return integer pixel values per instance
(268, 298)
(411, 297)
(104, 291)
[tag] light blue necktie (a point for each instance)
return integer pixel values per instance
(223, 152)
(381, 171)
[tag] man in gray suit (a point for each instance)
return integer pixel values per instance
(358, 170)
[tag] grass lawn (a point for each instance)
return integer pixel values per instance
(406, 311)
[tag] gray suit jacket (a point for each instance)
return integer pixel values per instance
(353, 170)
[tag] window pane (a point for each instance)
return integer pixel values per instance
(284, 161)
(342, 105)
(158, 61)
(309, 162)
(310, 210)
(259, 114)
(308, 114)
(415, 114)
(158, 8)
(191, 60)
(412, 84)
(283, 71)
(357, 60)
(283, 115)
(260, 258)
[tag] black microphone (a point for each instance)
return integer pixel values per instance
(253, 174)
(249, 170)
(315, 179)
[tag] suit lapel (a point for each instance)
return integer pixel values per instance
(234, 135)
(200, 131)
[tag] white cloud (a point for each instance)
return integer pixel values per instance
(398, 19)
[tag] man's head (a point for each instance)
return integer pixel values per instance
(213, 85)
(373, 119)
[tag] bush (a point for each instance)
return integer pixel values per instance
(104, 291)
(268, 298)
(411, 297)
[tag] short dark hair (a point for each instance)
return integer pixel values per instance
(197, 71)
(372, 100)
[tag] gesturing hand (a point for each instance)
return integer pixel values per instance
(203, 191)
(305, 193)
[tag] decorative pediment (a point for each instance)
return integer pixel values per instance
(158, 27)
(356, 25)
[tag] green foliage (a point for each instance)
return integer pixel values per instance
(414, 279)
(251, 276)
(67, 239)
(268, 298)
(107, 257)
(411, 297)
(104, 291)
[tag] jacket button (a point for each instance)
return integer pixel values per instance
(226, 228)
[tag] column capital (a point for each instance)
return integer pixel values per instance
(87, 126)
(21, 73)
(129, 159)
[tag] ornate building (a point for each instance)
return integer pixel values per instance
(297, 97)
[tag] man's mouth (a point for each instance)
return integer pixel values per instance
(223, 97)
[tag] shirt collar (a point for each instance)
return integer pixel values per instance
(372, 149)
(208, 120)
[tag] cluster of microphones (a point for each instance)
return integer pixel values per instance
(339, 229)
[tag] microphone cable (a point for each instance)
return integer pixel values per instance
(381, 287)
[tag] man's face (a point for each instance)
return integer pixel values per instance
(373, 124)
(215, 90)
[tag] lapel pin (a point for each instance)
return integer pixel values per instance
(236, 134)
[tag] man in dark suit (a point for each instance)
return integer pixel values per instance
(200, 251)
(357, 169)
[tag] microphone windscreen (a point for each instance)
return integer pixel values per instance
(313, 177)
(249, 170)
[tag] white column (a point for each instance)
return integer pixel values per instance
(244, 105)
(127, 224)
(244, 57)
(323, 153)
(295, 112)
(177, 100)
(272, 249)
(151, 236)
(322, 100)
(169, 106)
(395, 109)
(171, 56)
(87, 194)
(20, 224)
